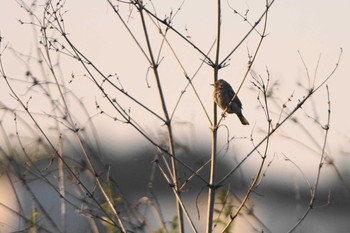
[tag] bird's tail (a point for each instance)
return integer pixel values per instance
(242, 119)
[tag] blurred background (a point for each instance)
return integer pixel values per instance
(303, 42)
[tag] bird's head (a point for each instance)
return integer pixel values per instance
(220, 84)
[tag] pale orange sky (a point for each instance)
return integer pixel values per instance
(312, 27)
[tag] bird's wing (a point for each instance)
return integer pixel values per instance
(237, 101)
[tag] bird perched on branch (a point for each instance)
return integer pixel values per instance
(223, 94)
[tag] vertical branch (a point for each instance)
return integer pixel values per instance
(50, 144)
(314, 189)
(264, 89)
(154, 66)
(212, 187)
(56, 18)
(251, 62)
(61, 186)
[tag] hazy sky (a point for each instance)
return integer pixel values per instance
(312, 27)
(315, 28)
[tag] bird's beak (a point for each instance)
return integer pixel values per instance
(211, 84)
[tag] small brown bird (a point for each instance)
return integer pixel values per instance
(223, 93)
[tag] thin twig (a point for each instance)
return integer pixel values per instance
(178, 197)
(264, 89)
(248, 33)
(251, 62)
(84, 61)
(206, 57)
(314, 189)
(154, 65)
(185, 74)
(296, 108)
